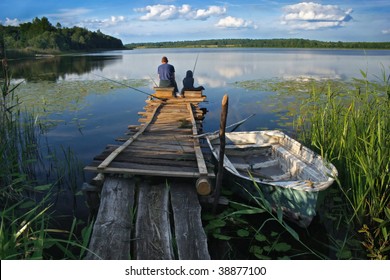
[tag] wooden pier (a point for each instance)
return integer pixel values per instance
(149, 207)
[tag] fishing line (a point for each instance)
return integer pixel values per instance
(123, 84)
(196, 61)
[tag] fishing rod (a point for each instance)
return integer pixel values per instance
(154, 82)
(123, 84)
(196, 61)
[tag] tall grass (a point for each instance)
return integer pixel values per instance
(26, 206)
(351, 128)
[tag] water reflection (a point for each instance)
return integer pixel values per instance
(216, 69)
(213, 68)
(59, 67)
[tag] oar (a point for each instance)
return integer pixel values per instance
(235, 125)
(240, 123)
(123, 84)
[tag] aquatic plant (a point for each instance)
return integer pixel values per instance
(351, 129)
(257, 231)
(27, 207)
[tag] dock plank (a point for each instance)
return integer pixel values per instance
(112, 156)
(111, 234)
(190, 237)
(144, 170)
(153, 239)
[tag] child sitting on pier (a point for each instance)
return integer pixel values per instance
(188, 83)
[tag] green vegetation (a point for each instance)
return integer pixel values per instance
(261, 231)
(352, 129)
(348, 123)
(261, 43)
(41, 36)
(47, 99)
(27, 226)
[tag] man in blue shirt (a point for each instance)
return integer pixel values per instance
(166, 73)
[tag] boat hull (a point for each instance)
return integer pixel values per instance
(273, 166)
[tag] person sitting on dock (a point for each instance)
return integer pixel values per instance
(188, 83)
(166, 74)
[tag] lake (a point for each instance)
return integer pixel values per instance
(84, 112)
(86, 121)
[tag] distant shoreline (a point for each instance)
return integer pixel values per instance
(261, 43)
(202, 44)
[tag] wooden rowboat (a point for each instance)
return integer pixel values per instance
(289, 175)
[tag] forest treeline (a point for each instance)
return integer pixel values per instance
(41, 35)
(261, 43)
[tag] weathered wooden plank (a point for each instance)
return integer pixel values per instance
(107, 161)
(182, 138)
(161, 147)
(169, 141)
(157, 168)
(174, 130)
(122, 168)
(153, 239)
(172, 140)
(188, 100)
(190, 237)
(198, 152)
(169, 154)
(174, 119)
(169, 161)
(167, 134)
(172, 110)
(173, 152)
(181, 100)
(170, 123)
(193, 93)
(162, 120)
(111, 232)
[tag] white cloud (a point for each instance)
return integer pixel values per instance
(166, 12)
(12, 22)
(311, 16)
(114, 23)
(386, 31)
(233, 22)
(70, 13)
(159, 12)
(113, 20)
(206, 13)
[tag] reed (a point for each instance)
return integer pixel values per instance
(25, 232)
(351, 128)
(27, 206)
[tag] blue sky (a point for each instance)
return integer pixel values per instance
(176, 20)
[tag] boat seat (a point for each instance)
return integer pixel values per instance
(297, 167)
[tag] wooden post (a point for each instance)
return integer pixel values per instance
(222, 127)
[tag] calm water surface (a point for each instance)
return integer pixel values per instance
(86, 118)
(106, 116)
